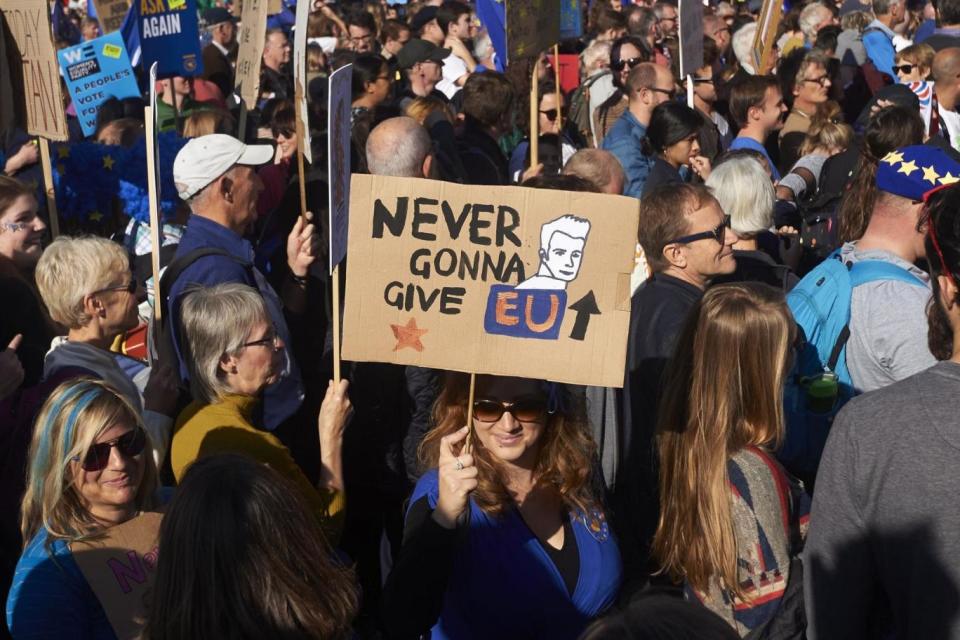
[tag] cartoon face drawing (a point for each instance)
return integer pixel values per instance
(562, 243)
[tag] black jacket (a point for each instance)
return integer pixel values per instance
(217, 69)
(481, 156)
(661, 173)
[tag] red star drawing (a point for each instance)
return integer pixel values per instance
(408, 335)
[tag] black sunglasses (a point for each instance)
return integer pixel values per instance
(716, 233)
(130, 287)
(906, 68)
(525, 409)
(822, 80)
(620, 65)
(552, 114)
(670, 93)
(131, 444)
(703, 81)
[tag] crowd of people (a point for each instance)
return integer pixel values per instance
(776, 465)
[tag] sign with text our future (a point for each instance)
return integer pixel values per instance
(498, 280)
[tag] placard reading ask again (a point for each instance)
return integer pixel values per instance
(498, 280)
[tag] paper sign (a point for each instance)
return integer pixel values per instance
(253, 29)
(34, 70)
(766, 34)
(571, 19)
(94, 71)
(690, 14)
(532, 27)
(498, 280)
(170, 36)
(338, 158)
(120, 568)
(111, 13)
(300, 77)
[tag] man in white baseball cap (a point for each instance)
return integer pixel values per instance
(216, 175)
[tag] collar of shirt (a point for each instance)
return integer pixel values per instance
(222, 48)
(876, 24)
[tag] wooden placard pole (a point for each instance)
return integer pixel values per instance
(242, 121)
(336, 324)
(298, 96)
(468, 443)
(48, 187)
(535, 115)
(154, 210)
(556, 75)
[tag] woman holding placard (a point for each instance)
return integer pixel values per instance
(90, 469)
(504, 537)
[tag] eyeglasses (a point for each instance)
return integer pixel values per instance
(620, 65)
(269, 340)
(525, 409)
(716, 233)
(703, 81)
(905, 68)
(131, 444)
(551, 114)
(822, 80)
(671, 93)
(130, 287)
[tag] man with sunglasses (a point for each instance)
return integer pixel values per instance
(648, 85)
(687, 240)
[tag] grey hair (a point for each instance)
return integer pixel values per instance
(882, 7)
(745, 193)
(397, 147)
(809, 19)
(593, 55)
(216, 320)
(482, 46)
(742, 44)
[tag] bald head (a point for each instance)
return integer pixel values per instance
(598, 167)
(399, 147)
(946, 75)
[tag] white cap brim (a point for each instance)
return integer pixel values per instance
(256, 154)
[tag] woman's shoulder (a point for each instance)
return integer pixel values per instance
(44, 570)
(428, 485)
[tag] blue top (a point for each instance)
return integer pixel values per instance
(742, 142)
(505, 584)
(924, 31)
(50, 598)
(624, 141)
(878, 41)
(281, 399)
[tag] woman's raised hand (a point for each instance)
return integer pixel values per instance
(457, 478)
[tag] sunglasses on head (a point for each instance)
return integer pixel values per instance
(130, 444)
(551, 114)
(620, 65)
(525, 409)
(905, 68)
(717, 233)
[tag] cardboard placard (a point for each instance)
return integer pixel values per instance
(690, 15)
(571, 19)
(253, 29)
(170, 36)
(532, 26)
(338, 158)
(498, 280)
(120, 569)
(300, 77)
(111, 13)
(94, 71)
(34, 69)
(766, 34)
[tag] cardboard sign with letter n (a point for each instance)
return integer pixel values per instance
(498, 280)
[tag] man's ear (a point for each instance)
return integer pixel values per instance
(673, 253)
(225, 187)
(948, 292)
(753, 114)
(427, 166)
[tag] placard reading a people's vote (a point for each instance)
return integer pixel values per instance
(94, 71)
(497, 280)
(169, 36)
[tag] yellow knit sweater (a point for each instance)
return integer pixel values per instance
(203, 430)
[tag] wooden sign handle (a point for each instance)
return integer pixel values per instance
(535, 115)
(154, 211)
(556, 75)
(48, 187)
(300, 140)
(468, 443)
(336, 324)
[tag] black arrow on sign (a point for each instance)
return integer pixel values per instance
(585, 307)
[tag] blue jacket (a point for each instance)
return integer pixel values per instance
(281, 399)
(623, 140)
(878, 41)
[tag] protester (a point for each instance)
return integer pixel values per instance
(756, 106)
(90, 468)
(240, 523)
(730, 517)
(422, 64)
(672, 141)
(488, 99)
(825, 138)
(914, 64)
(625, 54)
(361, 35)
(219, 57)
(233, 353)
(811, 89)
(947, 31)
(879, 36)
(551, 115)
(276, 80)
(515, 511)
(599, 168)
(715, 136)
(946, 76)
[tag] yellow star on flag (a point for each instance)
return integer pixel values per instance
(96, 216)
(949, 179)
(893, 157)
(907, 168)
(63, 151)
(108, 162)
(930, 175)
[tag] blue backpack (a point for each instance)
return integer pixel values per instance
(819, 383)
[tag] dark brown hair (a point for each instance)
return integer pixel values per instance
(943, 256)
(487, 97)
(242, 556)
(663, 217)
(749, 92)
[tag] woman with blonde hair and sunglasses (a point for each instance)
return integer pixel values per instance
(90, 469)
(504, 537)
(731, 519)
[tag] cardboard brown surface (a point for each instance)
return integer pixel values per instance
(111, 13)
(532, 26)
(120, 568)
(253, 29)
(766, 34)
(34, 68)
(472, 316)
